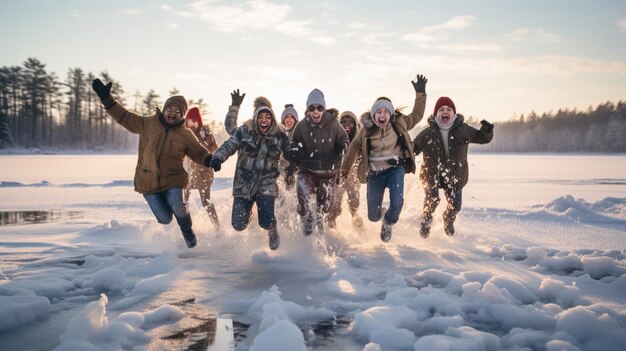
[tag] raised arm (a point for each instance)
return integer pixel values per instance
(419, 105)
(230, 122)
(132, 122)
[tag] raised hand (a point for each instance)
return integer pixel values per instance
(237, 98)
(103, 91)
(420, 84)
(486, 126)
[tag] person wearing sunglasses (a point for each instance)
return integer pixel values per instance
(386, 151)
(317, 148)
(259, 143)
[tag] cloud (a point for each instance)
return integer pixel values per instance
(621, 24)
(171, 25)
(538, 35)
(378, 39)
(426, 36)
(130, 12)
(253, 16)
(166, 8)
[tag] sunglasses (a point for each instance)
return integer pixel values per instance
(316, 107)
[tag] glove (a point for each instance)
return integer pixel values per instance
(216, 164)
(103, 91)
(420, 84)
(486, 126)
(207, 161)
(236, 98)
(340, 149)
(295, 154)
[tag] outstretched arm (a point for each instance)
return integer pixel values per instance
(484, 135)
(132, 122)
(230, 122)
(419, 106)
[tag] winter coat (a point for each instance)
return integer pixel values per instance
(454, 170)
(257, 158)
(352, 180)
(401, 125)
(162, 149)
(319, 148)
(230, 122)
(201, 177)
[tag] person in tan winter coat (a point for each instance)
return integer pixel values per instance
(200, 177)
(387, 154)
(444, 143)
(163, 144)
(351, 185)
(317, 148)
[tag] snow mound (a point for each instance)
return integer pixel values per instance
(19, 307)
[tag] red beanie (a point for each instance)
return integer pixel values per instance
(444, 100)
(194, 115)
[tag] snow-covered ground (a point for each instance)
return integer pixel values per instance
(538, 263)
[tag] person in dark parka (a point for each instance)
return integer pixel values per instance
(445, 143)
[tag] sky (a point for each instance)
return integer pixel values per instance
(495, 59)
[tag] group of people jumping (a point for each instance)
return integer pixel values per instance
(323, 156)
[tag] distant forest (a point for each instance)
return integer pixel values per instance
(37, 109)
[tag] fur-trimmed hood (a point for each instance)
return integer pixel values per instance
(262, 103)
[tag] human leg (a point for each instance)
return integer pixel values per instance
(242, 208)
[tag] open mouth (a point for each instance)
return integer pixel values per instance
(382, 120)
(445, 119)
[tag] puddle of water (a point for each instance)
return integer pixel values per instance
(35, 217)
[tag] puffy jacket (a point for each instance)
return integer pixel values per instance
(319, 147)
(401, 124)
(454, 170)
(257, 158)
(162, 149)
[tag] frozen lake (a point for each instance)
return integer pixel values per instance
(538, 260)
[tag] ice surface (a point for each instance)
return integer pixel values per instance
(538, 263)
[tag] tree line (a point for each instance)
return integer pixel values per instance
(600, 129)
(37, 109)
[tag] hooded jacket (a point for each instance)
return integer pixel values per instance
(258, 154)
(400, 125)
(319, 148)
(162, 149)
(352, 179)
(437, 167)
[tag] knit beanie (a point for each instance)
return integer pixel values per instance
(316, 97)
(179, 101)
(289, 110)
(444, 100)
(194, 115)
(381, 103)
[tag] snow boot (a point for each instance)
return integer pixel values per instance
(427, 220)
(357, 222)
(274, 239)
(185, 228)
(385, 231)
(448, 227)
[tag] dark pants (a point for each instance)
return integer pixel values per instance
(352, 189)
(242, 209)
(392, 179)
(431, 200)
(168, 203)
(309, 184)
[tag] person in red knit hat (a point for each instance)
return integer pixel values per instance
(444, 144)
(201, 178)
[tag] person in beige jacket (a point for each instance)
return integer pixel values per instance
(163, 144)
(386, 149)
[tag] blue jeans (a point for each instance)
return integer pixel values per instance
(393, 179)
(168, 203)
(242, 208)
